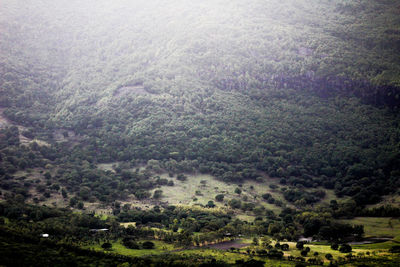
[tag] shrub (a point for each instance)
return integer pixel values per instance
(345, 248)
(157, 194)
(181, 177)
(148, 245)
(210, 204)
(106, 245)
(130, 243)
(299, 245)
(219, 197)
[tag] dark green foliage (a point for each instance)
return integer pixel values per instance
(181, 177)
(235, 204)
(304, 253)
(210, 204)
(295, 195)
(148, 245)
(266, 196)
(219, 197)
(80, 205)
(157, 194)
(345, 248)
(285, 247)
(395, 249)
(129, 243)
(106, 245)
(300, 245)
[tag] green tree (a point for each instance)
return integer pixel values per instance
(157, 194)
(210, 204)
(219, 197)
(148, 245)
(106, 246)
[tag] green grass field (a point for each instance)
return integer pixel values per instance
(378, 227)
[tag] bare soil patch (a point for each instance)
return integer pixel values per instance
(228, 244)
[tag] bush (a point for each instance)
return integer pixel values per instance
(266, 196)
(285, 247)
(235, 204)
(148, 245)
(345, 248)
(106, 245)
(299, 245)
(210, 204)
(130, 243)
(219, 197)
(181, 177)
(157, 194)
(395, 249)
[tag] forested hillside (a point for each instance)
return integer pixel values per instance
(293, 103)
(230, 87)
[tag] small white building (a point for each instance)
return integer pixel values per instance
(98, 230)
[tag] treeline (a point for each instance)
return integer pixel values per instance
(173, 224)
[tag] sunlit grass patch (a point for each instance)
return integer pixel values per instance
(185, 192)
(126, 224)
(107, 166)
(377, 226)
(102, 217)
(201, 188)
(376, 246)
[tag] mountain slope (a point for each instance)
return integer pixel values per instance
(231, 88)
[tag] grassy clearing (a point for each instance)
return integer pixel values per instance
(126, 224)
(376, 246)
(102, 217)
(107, 166)
(256, 189)
(183, 192)
(160, 248)
(244, 217)
(330, 195)
(186, 192)
(376, 226)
